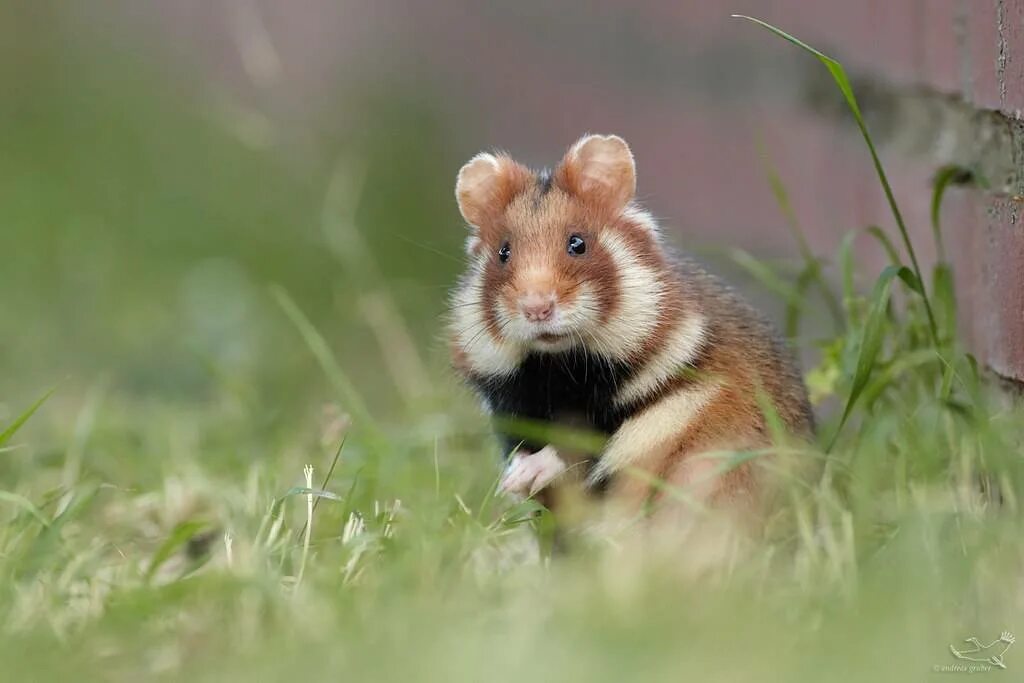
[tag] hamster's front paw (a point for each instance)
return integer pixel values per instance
(528, 473)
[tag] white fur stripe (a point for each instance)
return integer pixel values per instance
(652, 432)
(640, 295)
(680, 349)
(484, 354)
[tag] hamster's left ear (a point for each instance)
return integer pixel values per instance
(599, 169)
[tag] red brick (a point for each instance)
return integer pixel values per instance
(983, 39)
(940, 41)
(1012, 70)
(1000, 305)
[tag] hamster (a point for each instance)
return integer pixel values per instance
(574, 313)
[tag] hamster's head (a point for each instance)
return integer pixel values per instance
(551, 253)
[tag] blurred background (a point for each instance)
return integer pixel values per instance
(166, 167)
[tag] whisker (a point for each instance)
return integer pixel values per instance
(427, 247)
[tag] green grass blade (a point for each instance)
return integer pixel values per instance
(794, 310)
(316, 493)
(25, 504)
(947, 175)
(847, 269)
(813, 271)
(909, 279)
(326, 481)
(772, 420)
(540, 431)
(320, 349)
(180, 535)
(771, 280)
(12, 429)
(946, 389)
(944, 291)
(781, 195)
(843, 82)
(887, 245)
(870, 343)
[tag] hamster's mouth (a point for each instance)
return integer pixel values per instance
(551, 337)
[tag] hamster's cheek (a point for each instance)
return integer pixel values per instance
(505, 309)
(585, 309)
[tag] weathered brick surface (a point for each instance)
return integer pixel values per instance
(941, 33)
(1000, 308)
(994, 62)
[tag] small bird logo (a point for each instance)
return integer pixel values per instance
(988, 654)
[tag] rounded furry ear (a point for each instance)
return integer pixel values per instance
(599, 169)
(486, 185)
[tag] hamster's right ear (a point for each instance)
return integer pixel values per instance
(486, 185)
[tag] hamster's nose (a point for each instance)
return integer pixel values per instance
(537, 307)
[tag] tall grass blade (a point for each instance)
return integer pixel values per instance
(13, 428)
(887, 245)
(942, 276)
(870, 343)
(180, 535)
(793, 295)
(944, 291)
(947, 175)
(316, 493)
(539, 431)
(781, 195)
(25, 504)
(910, 280)
(813, 271)
(327, 479)
(847, 269)
(843, 82)
(318, 346)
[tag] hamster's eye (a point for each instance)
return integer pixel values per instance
(504, 253)
(576, 246)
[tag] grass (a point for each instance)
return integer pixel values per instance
(160, 522)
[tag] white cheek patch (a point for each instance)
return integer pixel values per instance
(513, 326)
(675, 357)
(484, 354)
(585, 312)
(640, 297)
(651, 433)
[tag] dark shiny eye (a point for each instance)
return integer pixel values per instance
(576, 246)
(504, 253)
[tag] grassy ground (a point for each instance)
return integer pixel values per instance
(211, 320)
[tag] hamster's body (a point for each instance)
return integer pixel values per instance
(573, 313)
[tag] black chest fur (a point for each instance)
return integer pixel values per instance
(575, 389)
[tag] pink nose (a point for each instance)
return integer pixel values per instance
(537, 307)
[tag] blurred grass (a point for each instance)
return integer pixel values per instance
(142, 242)
(140, 226)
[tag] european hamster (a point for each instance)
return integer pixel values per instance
(574, 312)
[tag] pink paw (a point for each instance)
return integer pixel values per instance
(528, 473)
